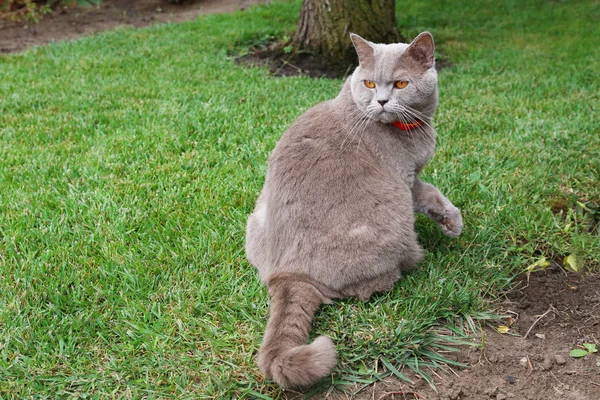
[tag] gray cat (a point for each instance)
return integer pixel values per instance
(335, 217)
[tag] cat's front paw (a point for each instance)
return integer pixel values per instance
(451, 222)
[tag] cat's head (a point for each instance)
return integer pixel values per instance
(395, 82)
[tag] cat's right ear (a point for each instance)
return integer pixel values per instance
(364, 49)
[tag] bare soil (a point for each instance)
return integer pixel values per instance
(69, 23)
(550, 314)
(281, 63)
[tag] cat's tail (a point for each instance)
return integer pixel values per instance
(284, 355)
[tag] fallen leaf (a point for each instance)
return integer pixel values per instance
(570, 263)
(542, 263)
(503, 329)
(578, 353)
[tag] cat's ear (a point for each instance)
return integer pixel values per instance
(364, 49)
(421, 49)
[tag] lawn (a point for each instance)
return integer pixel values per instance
(130, 160)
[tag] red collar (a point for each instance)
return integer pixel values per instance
(407, 126)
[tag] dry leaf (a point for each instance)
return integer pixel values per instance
(570, 263)
(542, 263)
(503, 329)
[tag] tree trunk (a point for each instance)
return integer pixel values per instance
(325, 26)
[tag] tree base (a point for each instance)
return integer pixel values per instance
(303, 63)
(295, 63)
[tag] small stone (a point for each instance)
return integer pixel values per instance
(500, 396)
(510, 379)
(540, 335)
(547, 363)
(523, 361)
(560, 360)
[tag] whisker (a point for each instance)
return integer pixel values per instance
(357, 121)
(409, 114)
(423, 117)
(371, 110)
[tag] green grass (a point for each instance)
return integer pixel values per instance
(130, 160)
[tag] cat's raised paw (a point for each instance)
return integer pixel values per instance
(451, 223)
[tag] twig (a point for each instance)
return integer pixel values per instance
(287, 62)
(552, 373)
(529, 363)
(537, 320)
(436, 374)
(453, 371)
(557, 312)
(512, 312)
(402, 392)
(595, 383)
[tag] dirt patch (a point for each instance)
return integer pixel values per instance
(281, 63)
(69, 23)
(557, 311)
(301, 63)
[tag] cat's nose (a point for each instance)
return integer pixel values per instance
(382, 102)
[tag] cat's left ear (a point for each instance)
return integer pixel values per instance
(421, 49)
(364, 49)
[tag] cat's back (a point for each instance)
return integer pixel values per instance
(318, 150)
(326, 197)
(319, 140)
(316, 129)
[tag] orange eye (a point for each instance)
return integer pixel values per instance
(400, 84)
(370, 84)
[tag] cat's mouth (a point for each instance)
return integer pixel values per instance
(403, 122)
(387, 117)
(393, 118)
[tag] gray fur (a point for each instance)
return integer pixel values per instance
(335, 217)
